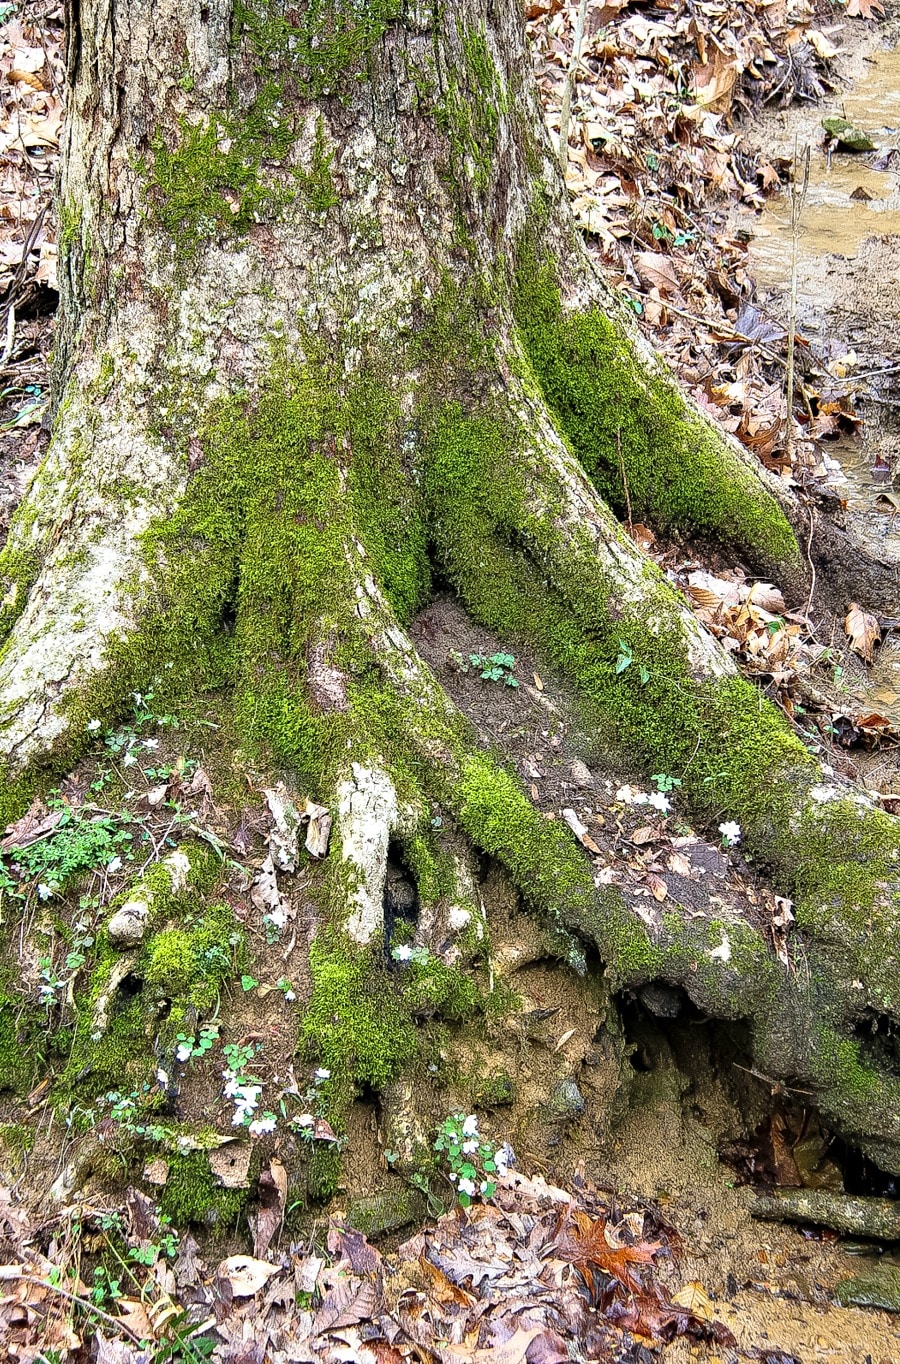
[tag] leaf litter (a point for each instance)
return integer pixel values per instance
(532, 1276)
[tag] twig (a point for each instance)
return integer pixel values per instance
(798, 199)
(812, 567)
(624, 477)
(73, 1297)
(566, 109)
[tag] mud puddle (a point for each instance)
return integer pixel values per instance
(848, 276)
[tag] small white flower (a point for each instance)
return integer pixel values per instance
(470, 1147)
(660, 802)
(467, 1186)
(323, 1074)
(162, 1078)
(402, 953)
(731, 833)
(504, 1156)
(289, 996)
(232, 1084)
(151, 743)
(640, 798)
(114, 865)
(482, 1187)
(452, 1177)
(304, 1120)
(470, 1126)
(263, 1125)
(94, 725)
(44, 891)
(183, 1051)
(129, 760)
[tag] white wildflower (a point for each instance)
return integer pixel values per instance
(261, 1126)
(183, 1051)
(151, 743)
(731, 833)
(289, 996)
(162, 1078)
(660, 802)
(129, 760)
(467, 1186)
(323, 1074)
(94, 725)
(115, 864)
(402, 953)
(470, 1126)
(44, 891)
(470, 1147)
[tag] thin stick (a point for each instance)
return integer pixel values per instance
(799, 187)
(812, 567)
(624, 478)
(566, 110)
(81, 1302)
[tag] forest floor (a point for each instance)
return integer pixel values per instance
(630, 1239)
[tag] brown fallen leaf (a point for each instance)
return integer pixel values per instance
(658, 887)
(245, 1274)
(863, 631)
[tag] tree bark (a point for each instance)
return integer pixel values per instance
(328, 329)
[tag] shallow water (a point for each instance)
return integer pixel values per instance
(833, 221)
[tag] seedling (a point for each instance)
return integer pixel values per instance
(495, 667)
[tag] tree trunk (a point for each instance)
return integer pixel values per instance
(328, 333)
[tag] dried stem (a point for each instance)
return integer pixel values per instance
(799, 187)
(566, 110)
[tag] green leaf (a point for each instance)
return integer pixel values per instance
(248, 983)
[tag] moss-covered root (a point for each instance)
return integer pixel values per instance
(646, 446)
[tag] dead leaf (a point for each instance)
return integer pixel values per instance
(513, 1351)
(694, 1297)
(319, 831)
(863, 631)
(657, 271)
(273, 1184)
(658, 887)
(864, 9)
(245, 1274)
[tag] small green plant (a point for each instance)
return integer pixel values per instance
(82, 841)
(475, 1164)
(664, 783)
(625, 660)
(105, 1289)
(495, 667)
(193, 1048)
(248, 983)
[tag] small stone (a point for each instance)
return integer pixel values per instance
(567, 1100)
(848, 138)
(129, 924)
(581, 773)
(495, 1091)
(381, 1213)
(875, 1287)
(662, 1000)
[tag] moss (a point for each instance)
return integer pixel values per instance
(323, 47)
(634, 433)
(209, 182)
(496, 1090)
(192, 1195)
(323, 1173)
(316, 185)
(355, 1021)
(474, 101)
(386, 1211)
(191, 964)
(19, 1043)
(433, 987)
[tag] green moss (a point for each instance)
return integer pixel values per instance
(316, 185)
(355, 1022)
(206, 181)
(19, 1043)
(474, 101)
(323, 1173)
(322, 47)
(630, 427)
(191, 1194)
(192, 964)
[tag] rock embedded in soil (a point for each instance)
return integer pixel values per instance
(875, 1287)
(878, 1218)
(567, 1100)
(848, 138)
(129, 924)
(381, 1213)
